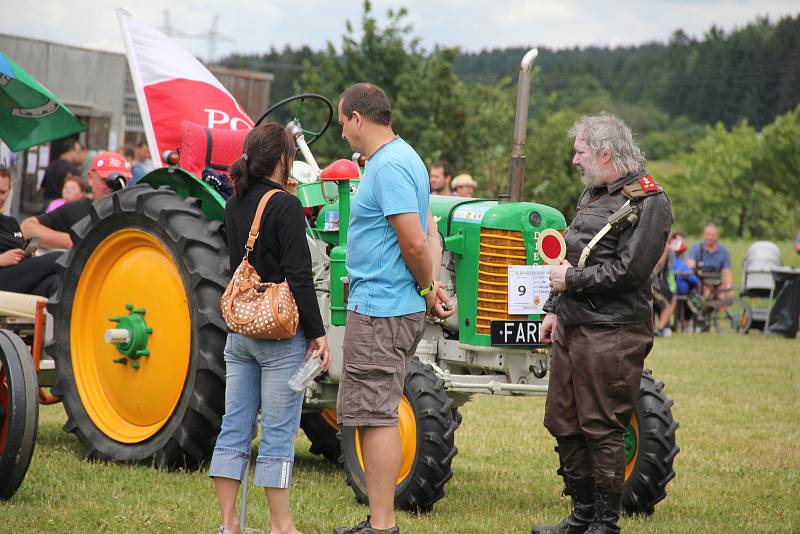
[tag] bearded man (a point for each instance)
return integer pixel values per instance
(600, 319)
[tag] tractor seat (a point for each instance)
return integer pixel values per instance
(19, 304)
(209, 148)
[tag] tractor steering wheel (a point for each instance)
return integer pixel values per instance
(311, 135)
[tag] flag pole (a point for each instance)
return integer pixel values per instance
(144, 110)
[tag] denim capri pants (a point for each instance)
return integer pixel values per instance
(256, 373)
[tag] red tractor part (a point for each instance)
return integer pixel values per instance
(341, 169)
(208, 148)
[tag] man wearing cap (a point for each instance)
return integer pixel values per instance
(599, 319)
(464, 186)
(52, 228)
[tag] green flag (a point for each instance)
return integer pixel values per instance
(29, 114)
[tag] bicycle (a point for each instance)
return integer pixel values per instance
(712, 307)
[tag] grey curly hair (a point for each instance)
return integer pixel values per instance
(607, 132)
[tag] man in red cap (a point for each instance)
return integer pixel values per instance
(109, 172)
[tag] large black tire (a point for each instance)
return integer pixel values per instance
(654, 450)
(436, 422)
(195, 247)
(650, 442)
(322, 434)
(19, 412)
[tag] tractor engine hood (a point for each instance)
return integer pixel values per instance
(454, 215)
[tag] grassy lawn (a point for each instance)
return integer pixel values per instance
(737, 400)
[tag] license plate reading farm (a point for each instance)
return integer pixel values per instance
(515, 332)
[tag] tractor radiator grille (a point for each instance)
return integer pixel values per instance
(499, 249)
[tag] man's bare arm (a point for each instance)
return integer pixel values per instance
(48, 238)
(413, 246)
(727, 277)
(434, 246)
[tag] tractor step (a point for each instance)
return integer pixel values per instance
(47, 372)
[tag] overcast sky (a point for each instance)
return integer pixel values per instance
(255, 25)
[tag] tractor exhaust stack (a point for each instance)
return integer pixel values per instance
(516, 165)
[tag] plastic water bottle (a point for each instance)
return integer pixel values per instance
(306, 373)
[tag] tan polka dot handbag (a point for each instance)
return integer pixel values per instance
(255, 309)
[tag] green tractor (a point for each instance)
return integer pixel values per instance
(139, 336)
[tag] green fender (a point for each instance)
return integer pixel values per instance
(187, 185)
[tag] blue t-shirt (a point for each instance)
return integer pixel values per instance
(395, 181)
(710, 262)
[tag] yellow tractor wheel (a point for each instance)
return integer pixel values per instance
(649, 447)
(138, 333)
(428, 422)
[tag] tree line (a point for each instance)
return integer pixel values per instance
(752, 72)
(731, 155)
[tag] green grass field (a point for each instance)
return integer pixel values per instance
(737, 399)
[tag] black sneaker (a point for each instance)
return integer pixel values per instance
(365, 528)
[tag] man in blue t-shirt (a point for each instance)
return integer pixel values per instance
(393, 254)
(711, 260)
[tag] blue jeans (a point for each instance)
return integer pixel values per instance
(257, 372)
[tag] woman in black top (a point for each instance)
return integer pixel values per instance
(257, 371)
(19, 272)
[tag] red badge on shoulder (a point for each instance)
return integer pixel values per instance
(648, 184)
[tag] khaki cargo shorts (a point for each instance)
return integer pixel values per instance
(376, 350)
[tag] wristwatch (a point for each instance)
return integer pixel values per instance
(422, 291)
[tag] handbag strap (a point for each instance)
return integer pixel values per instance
(256, 226)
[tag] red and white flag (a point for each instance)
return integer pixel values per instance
(172, 86)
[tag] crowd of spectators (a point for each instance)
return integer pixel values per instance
(706, 270)
(443, 183)
(29, 250)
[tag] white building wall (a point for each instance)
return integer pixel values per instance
(89, 82)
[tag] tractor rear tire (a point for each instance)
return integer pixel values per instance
(322, 433)
(155, 250)
(651, 468)
(429, 456)
(19, 412)
(651, 446)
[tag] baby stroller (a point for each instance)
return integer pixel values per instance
(757, 282)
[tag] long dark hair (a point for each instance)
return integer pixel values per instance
(264, 147)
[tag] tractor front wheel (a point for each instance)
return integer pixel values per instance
(428, 423)
(19, 412)
(138, 332)
(650, 447)
(321, 430)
